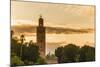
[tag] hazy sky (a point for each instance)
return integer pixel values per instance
(62, 15)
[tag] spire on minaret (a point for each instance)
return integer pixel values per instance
(41, 21)
(40, 16)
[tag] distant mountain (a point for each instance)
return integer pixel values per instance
(51, 30)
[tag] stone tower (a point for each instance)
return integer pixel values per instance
(41, 37)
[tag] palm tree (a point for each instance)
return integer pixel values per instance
(22, 39)
(12, 33)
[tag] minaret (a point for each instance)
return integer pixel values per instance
(41, 37)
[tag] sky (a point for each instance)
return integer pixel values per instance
(65, 23)
(55, 15)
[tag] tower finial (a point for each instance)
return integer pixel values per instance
(40, 21)
(40, 16)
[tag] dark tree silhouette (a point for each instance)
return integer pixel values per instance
(22, 38)
(15, 46)
(70, 53)
(30, 53)
(59, 53)
(15, 51)
(87, 53)
(12, 33)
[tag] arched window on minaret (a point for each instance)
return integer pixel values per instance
(41, 21)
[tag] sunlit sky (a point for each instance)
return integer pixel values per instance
(55, 15)
(61, 15)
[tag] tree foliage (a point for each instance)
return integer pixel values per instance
(30, 53)
(72, 53)
(59, 53)
(87, 53)
(27, 53)
(15, 60)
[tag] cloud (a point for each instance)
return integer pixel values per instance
(50, 30)
(80, 10)
(22, 22)
(73, 16)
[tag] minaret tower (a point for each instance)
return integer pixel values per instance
(41, 37)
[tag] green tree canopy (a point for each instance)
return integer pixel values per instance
(30, 53)
(87, 53)
(67, 53)
(70, 53)
(59, 53)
